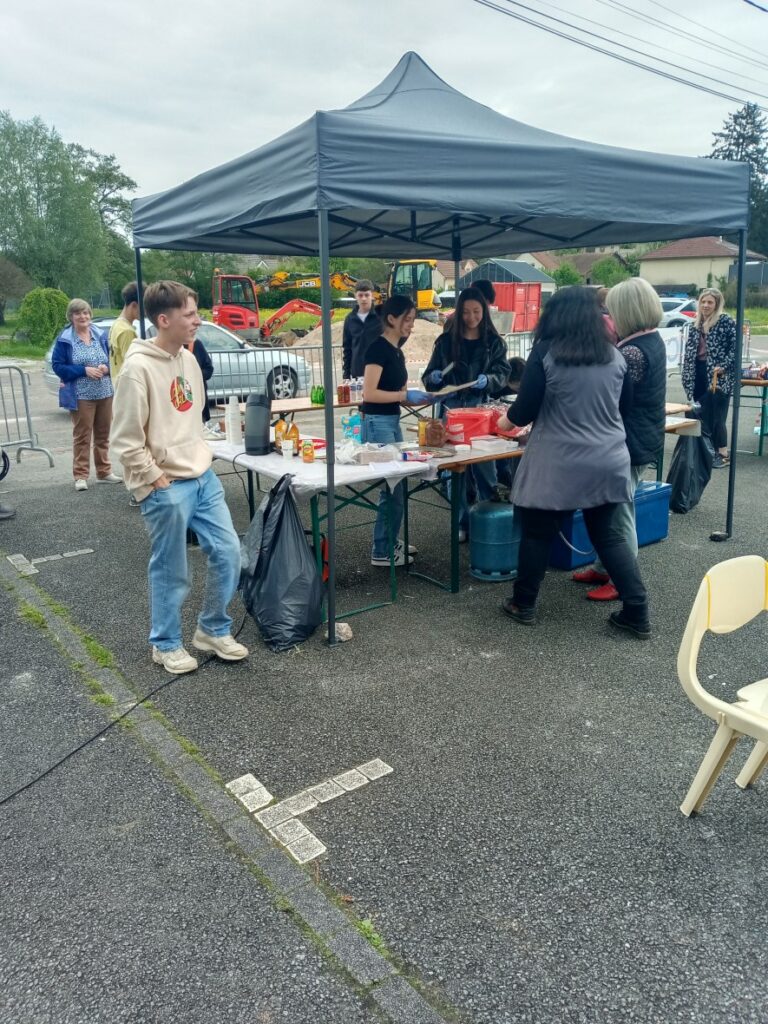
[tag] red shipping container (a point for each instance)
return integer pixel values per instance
(522, 299)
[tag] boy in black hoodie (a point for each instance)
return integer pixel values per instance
(361, 327)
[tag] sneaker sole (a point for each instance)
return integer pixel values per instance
(641, 635)
(224, 657)
(518, 618)
(173, 671)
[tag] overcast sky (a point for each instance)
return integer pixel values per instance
(173, 87)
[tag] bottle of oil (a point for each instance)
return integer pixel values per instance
(280, 428)
(292, 437)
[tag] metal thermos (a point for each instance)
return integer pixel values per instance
(257, 425)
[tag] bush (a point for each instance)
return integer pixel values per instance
(42, 314)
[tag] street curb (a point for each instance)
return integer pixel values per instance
(375, 977)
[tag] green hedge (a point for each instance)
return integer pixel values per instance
(42, 314)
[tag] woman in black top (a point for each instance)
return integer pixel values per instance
(384, 388)
(473, 350)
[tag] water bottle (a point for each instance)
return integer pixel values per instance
(232, 421)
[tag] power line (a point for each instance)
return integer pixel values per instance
(717, 46)
(610, 53)
(753, 4)
(631, 49)
(629, 35)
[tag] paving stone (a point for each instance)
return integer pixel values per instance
(290, 831)
(324, 791)
(256, 799)
(351, 780)
(375, 769)
(243, 784)
(298, 804)
(306, 849)
(273, 816)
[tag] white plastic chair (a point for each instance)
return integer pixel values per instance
(731, 594)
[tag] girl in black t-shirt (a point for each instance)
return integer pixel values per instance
(384, 388)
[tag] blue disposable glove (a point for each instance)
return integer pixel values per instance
(481, 383)
(415, 396)
(435, 379)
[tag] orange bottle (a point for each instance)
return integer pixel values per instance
(292, 436)
(280, 428)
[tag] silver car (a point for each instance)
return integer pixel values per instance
(238, 369)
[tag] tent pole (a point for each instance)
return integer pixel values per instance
(456, 253)
(719, 535)
(330, 390)
(142, 329)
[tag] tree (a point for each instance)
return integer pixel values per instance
(14, 284)
(566, 274)
(107, 184)
(194, 269)
(744, 136)
(49, 224)
(609, 272)
(42, 315)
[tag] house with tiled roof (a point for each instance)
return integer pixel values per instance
(583, 262)
(689, 264)
(443, 276)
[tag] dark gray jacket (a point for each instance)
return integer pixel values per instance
(356, 337)
(577, 455)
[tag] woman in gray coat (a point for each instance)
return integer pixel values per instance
(574, 390)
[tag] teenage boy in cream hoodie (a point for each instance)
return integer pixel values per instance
(157, 435)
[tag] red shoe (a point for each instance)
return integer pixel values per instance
(605, 593)
(590, 576)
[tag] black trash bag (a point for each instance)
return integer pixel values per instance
(689, 471)
(280, 582)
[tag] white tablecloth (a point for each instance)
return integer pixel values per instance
(311, 477)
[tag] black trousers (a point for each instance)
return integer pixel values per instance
(539, 527)
(714, 407)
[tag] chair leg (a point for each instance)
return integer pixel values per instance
(753, 766)
(715, 758)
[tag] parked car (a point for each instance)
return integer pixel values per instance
(238, 369)
(677, 311)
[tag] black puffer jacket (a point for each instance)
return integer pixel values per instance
(489, 357)
(357, 336)
(721, 351)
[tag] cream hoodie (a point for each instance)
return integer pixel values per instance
(158, 421)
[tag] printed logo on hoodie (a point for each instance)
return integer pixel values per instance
(181, 394)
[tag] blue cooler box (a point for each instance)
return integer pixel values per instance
(651, 516)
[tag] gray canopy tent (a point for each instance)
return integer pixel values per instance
(416, 169)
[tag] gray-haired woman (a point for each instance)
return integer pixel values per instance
(81, 361)
(709, 366)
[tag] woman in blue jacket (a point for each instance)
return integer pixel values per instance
(81, 361)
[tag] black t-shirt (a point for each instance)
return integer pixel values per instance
(394, 375)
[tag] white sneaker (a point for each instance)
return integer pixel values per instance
(224, 647)
(400, 556)
(81, 484)
(177, 661)
(111, 479)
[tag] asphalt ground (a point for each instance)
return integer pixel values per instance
(526, 859)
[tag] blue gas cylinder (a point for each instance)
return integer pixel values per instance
(494, 541)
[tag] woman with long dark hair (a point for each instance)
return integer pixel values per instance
(574, 390)
(709, 368)
(384, 388)
(470, 350)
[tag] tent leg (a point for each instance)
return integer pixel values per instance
(142, 329)
(726, 534)
(330, 387)
(456, 246)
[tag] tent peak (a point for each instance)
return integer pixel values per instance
(411, 72)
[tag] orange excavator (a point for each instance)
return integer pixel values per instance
(236, 306)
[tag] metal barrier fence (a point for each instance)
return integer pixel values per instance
(16, 430)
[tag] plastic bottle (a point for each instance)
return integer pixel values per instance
(233, 423)
(280, 428)
(292, 437)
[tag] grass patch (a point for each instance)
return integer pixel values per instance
(100, 654)
(31, 614)
(369, 933)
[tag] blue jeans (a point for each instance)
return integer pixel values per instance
(385, 430)
(200, 506)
